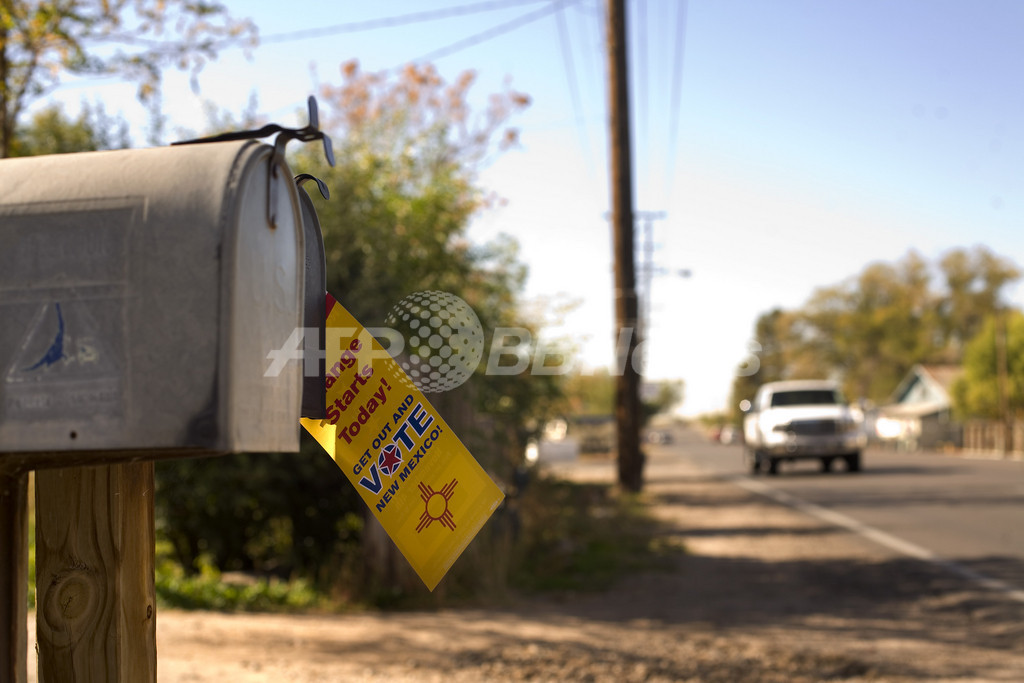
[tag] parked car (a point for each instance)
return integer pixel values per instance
(659, 436)
(596, 433)
(806, 419)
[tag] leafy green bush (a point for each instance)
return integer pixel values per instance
(207, 589)
(268, 514)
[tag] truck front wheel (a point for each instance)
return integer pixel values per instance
(853, 462)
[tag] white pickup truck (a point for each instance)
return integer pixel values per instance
(799, 420)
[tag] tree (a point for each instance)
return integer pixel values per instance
(590, 394)
(135, 39)
(870, 330)
(52, 132)
(977, 393)
(974, 281)
(405, 188)
(409, 149)
(776, 335)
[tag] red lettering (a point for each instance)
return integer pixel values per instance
(358, 379)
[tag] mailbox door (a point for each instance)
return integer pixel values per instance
(264, 286)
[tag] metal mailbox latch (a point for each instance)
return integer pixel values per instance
(308, 133)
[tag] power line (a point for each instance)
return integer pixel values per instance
(570, 69)
(398, 20)
(642, 99)
(592, 64)
(493, 32)
(677, 82)
(349, 27)
(416, 17)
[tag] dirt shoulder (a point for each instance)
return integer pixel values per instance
(763, 594)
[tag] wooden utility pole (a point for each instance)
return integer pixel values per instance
(647, 269)
(627, 407)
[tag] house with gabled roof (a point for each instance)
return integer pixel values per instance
(920, 412)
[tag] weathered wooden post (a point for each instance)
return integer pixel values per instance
(143, 294)
(96, 604)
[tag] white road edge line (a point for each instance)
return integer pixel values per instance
(878, 536)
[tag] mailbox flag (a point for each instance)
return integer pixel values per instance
(418, 479)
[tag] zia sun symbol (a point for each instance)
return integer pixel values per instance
(435, 506)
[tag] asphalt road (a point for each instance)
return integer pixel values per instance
(965, 513)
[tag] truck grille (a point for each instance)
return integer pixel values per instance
(814, 427)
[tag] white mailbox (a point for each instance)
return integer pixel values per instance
(140, 294)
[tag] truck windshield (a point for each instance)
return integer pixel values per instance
(806, 397)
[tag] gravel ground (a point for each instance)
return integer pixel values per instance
(764, 594)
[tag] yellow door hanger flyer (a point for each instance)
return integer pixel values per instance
(413, 472)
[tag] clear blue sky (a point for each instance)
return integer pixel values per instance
(794, 142)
